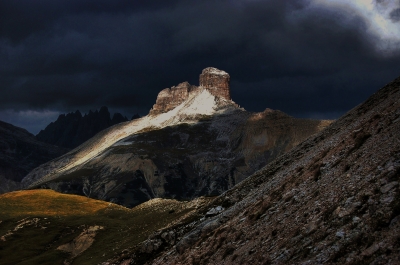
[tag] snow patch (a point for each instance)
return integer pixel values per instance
(215, 71)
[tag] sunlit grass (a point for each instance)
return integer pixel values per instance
(63, 217)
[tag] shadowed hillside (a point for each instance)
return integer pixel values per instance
(20, 152)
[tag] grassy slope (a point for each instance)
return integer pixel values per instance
(63, 217)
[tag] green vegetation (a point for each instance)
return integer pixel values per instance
(35, 222)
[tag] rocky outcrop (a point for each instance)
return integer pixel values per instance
(170, 98)
(80, 243)
(73, 129)
(214, 80)
(20, 152)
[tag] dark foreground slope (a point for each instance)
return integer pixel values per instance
(20, 152)
(333, 199)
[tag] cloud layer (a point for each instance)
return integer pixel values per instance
(308, 58)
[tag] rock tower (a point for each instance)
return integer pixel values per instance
(214, 80)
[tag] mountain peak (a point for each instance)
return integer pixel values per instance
(216, 81)
(212, 79)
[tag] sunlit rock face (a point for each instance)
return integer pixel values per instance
(212, 79)
(170, 98)
(216, 81)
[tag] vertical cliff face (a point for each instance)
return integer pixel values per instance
(170, 98)
(214, 80)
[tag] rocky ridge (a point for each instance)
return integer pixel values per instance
(333, 199)
(72, 129)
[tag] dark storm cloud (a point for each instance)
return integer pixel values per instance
(288, 55)
(395, 15)
(21, 18)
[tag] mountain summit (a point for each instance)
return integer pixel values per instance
(215, 81)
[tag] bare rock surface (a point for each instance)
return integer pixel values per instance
(333, 199)
(217, 81)
(170, 98)
(80, 243)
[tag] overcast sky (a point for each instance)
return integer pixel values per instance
(311, 58)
